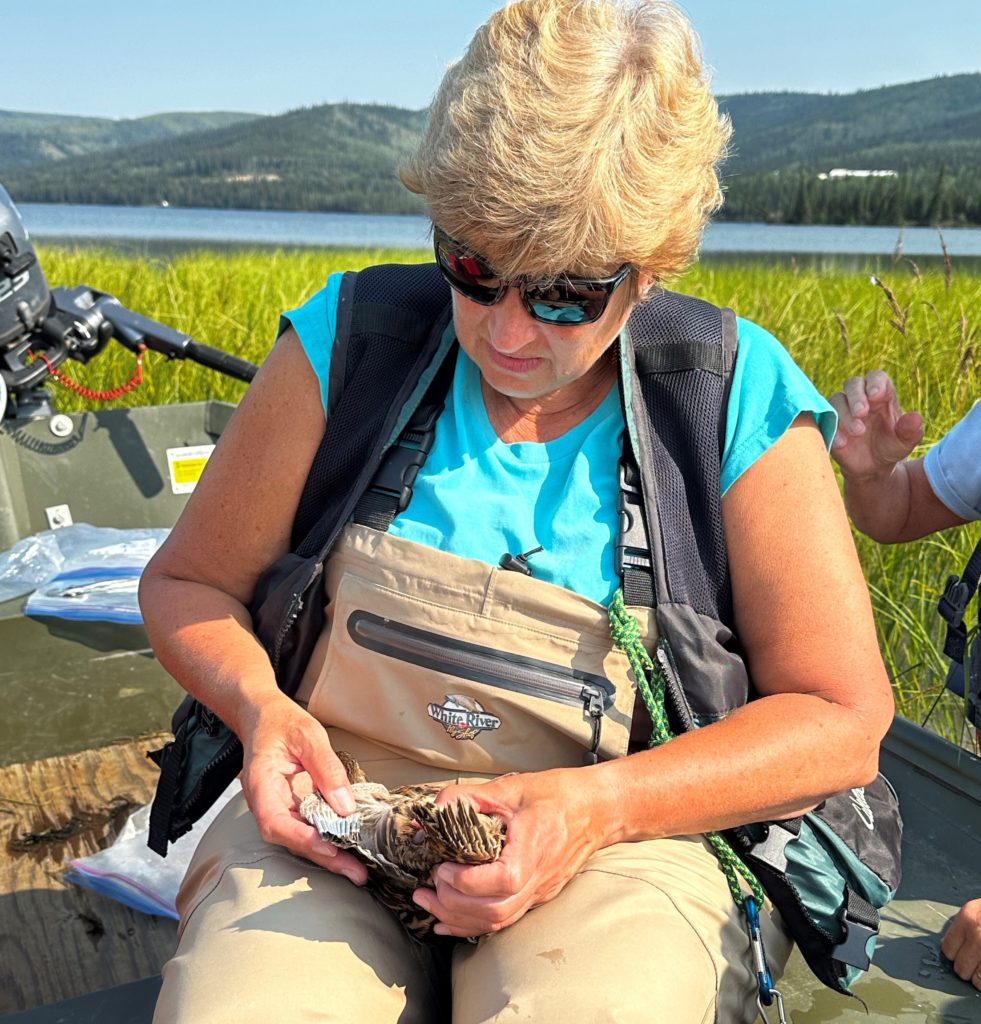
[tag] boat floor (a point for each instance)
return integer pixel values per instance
(58, 940)
(70, 956)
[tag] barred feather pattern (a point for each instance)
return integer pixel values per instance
(401, 835)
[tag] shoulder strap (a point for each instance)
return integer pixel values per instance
(676, 366)
(390, 490)
(676, 377)
(388, 345)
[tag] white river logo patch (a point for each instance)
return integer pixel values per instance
(462, 717)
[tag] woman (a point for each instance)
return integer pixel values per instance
(569, 168)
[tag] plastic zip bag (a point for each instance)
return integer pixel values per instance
(130, 873)
(80, 571)
(90, 593)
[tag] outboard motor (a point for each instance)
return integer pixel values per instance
(25, 298)
(41, 327)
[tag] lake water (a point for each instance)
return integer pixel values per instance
(153, 226)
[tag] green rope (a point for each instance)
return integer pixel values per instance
(625, 630)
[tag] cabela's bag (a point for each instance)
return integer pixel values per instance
(829, 873)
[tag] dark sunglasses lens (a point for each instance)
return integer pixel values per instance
(560, 304)
(468, 274)
(564, 301)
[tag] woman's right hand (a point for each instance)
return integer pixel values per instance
(287, 755)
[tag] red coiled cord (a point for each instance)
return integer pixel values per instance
(100, 396)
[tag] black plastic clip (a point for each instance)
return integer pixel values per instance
(632, 548)
(953, 601)
(518, 563)
(398, 471)
(853, 948)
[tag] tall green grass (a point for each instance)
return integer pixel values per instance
(230, 300)
(923, 328)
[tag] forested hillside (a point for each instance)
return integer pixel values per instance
(332, 157)
(31, 139)
(344, 157)
(929, 133)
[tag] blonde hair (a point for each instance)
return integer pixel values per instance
(575, 135)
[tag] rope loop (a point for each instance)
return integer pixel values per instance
(652, 682)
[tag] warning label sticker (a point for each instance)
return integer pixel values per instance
(186, 465)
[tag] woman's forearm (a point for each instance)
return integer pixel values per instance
(774, 758)
(204, 639)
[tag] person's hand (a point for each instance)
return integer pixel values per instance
(874, 434)
(549, 838)
(886, 493)
(962, 943)
(287, 755)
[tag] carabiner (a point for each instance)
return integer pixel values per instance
(763, 977)
(774, 994)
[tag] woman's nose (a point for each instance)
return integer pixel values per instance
(510, 325)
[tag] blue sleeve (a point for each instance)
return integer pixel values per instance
(315, 323)
(953, 466)
(769, 391)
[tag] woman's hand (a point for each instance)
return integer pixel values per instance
(550, 819)
(287, 756)
(962, 943)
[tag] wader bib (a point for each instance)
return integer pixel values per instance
(464, 666)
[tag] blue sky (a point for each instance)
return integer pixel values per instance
(127, 58)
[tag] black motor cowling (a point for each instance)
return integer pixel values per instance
(24, 294)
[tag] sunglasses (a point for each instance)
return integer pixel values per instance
(565, 301)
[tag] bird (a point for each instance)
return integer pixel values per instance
(401, 834)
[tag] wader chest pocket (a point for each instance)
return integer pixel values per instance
(435, 673)
(515, 672)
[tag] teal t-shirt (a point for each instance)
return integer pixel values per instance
(480, 497)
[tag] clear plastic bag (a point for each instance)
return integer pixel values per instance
(80, 571)
(130, 873)
(29, 563)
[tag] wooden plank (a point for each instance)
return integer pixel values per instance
(58, 940)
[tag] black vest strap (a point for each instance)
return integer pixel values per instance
(633, 550)
(953, 605)
(390, 490)
(396, 316)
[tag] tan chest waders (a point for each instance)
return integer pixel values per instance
(458, 664)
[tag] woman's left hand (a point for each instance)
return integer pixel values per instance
(551, 818)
